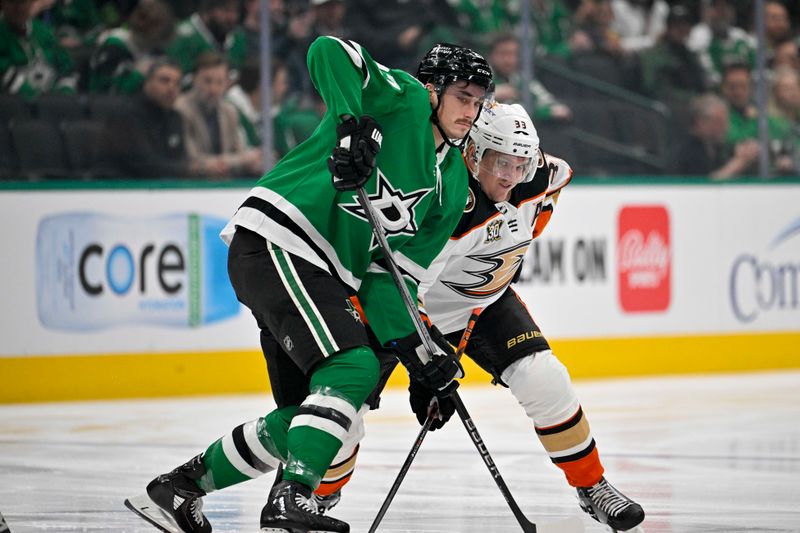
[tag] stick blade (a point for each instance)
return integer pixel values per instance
(572, 524)
(148, 511)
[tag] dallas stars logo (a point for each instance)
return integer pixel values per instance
(395, 209)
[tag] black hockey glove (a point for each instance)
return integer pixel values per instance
(439, 374)
(420, 398)
(353, 159)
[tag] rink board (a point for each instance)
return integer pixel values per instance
(114, 292)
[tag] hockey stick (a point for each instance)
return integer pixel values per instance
(462, 345)
(567, 526)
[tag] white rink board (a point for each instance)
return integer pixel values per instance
(22, 331)
(709, 228)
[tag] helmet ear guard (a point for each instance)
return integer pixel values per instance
(507, 129)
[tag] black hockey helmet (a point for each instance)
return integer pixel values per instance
(446, 63)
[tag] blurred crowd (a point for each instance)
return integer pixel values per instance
(151, 88)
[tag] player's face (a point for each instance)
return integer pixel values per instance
(211, 84)
(461, 102)
(499, 173)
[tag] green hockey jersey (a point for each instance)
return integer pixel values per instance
(192, 38)
(34, 63)
(114, 63)
(419, 195)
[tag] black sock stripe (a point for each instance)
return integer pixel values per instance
(282, 219)
(575, 456)
(572, 422)
(244, 450)
(327, 413)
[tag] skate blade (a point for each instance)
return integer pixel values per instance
(284, 530)
(290, 530)
(572, 524)
(148, 511)
(636, 529)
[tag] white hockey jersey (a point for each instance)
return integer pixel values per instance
(487, 247)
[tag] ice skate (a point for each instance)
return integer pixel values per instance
(292, 508)
(173, 502)
(609, 506)
(326, 503)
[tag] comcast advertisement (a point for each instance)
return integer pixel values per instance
(97, 271)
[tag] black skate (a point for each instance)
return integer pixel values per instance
(609, 506)
(292, 508)
(174, 501)
(4, 527)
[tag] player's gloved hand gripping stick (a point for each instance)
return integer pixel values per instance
(432, 417)
(571, 525)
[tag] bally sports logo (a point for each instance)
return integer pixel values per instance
(644, 258)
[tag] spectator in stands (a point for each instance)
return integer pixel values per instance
(777, 25)
(214, 27)
(784, 105)
(671, 72)
(484, 17)
(554, 28)
(291, 31)
(595, 19)
(639, 23)
(31, 60)
(737, 89)
(211, 124)
(717, 42)
(504, 57)
(329, 18)
(399, 31)
(124, 54)
(246, 97)
(145, 139)
(75, 22)
(786, 54)
(705, 152)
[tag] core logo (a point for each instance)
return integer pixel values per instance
(644, 258)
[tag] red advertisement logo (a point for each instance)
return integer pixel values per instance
(644, 258)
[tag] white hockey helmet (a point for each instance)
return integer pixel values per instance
(508, 129)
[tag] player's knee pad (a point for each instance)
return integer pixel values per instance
(541, 385)
(351, 373)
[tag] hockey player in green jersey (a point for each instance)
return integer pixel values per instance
(300, 249)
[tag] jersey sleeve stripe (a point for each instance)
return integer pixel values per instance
(353, 50)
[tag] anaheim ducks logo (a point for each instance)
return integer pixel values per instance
(494, 278)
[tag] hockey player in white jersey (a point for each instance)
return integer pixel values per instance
(511, 200)
(512, 195)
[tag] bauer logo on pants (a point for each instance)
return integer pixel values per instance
(644, 258)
